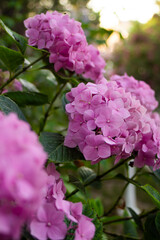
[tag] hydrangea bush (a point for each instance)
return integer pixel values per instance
(111, 123)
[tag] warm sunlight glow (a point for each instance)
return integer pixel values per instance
(113, 12)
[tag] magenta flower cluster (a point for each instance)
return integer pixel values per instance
(65, 40)
(49, 220)
(106, 120)
(141, 90)
(21, 175)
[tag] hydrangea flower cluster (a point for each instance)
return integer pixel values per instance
(65, 40)
(141, 90)
(21, 175)
(106, 120)
(13, 86)
(49, 220)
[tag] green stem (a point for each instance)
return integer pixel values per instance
(100, 176)
(117, 201)
(113, 168)
(98, 168)
(49, 108)
(21, 71)
(120, 196)
(121, 236)
(129, 218)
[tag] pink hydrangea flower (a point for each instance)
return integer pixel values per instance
(85, 230)
(65, 40)
(141, 90)
(48, 222)
(94, 67)
(21, 156)
(105, 120)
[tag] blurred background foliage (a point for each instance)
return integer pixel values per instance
(139, 54)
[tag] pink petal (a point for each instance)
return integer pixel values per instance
(57, 232)
(90, 153)
(104, 151)
(91, 125)
(57, 66)
(38, 230)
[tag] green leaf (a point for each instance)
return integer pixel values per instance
(11, 58)
(157, 221)
(150, 228)
(104, 237)
(27, 98)
(136, 218)
(28, 86)
(37, 49)
(75, 181)
(111, 218)
(91, 213)
(20, 41)
(157, 173)
(53, 144)
(129, 227)
(64, 101)
(153, 193)
(86, 174)
(97, 205)
(7, 106)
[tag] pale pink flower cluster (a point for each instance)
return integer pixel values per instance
(141, 90)
(105, 120)
(65, 40)
(49, 220)
(21, 175)
(15, 85)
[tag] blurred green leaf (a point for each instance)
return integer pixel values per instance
(37, 49)
(75, 181)
(157, 173)
(136, 218)
(104, 237)
(19, 40)
(150, 228)
(86, 174)
(27, 98)
(7, 106)
(153, 193)
(53, 144)
(28, 86)
(11, 58)
(111, 218)
(64, 101)
(129, 227)
(157, 221)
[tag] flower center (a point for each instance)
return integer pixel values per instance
(49, 224)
